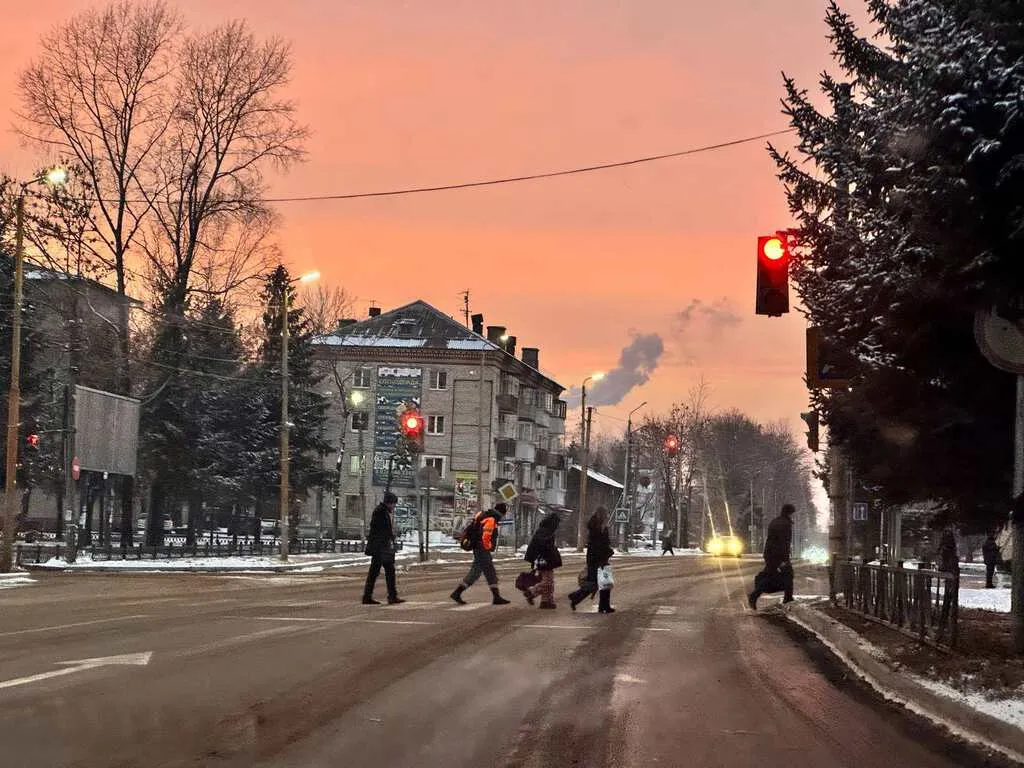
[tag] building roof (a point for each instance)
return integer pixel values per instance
(42, 274)
(598, 477)
(417, 326)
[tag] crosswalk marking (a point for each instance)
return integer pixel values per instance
(665, 610)
(469, 607)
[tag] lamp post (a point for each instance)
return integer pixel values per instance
(585, 456)
(626, 475)
(285, 425)
(55, 177)
(483, 431)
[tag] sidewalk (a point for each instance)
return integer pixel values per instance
(247, 564)
(977, 695)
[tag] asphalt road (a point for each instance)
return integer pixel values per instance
(290, 670)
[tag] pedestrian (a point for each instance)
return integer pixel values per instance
(599, 552)
(992, 556)
(542, 553)
(380, 546)
(666, 544)
(949, 558)
(778, 571)
(485, 541)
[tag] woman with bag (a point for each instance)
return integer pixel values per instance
(542, 553)
(599, 552)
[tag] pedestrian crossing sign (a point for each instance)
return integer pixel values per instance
(621, 515)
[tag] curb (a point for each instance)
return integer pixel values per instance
(865, 662)
(156, 566)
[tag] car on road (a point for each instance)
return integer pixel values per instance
(725, 546)
(640, 541)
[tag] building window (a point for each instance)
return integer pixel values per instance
(352, 508)
(361, 378)
(439, 380)
(435, 425)
(360, 421)
(549, 481)
(436, 463)
(525, 431)
(354, 464)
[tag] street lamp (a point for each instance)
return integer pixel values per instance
(285, 425)
(585, 453)
(55, 177)
(484, 431)
(628, 472)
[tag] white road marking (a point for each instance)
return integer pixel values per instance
(624, 678)
(392, 621)
(72, 625)
(553, 626)
(470, 607)
(665, 610)
(80, 665)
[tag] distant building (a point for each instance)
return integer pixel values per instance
(417, 354)
(602, 491)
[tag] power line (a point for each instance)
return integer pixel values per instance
(531, 176)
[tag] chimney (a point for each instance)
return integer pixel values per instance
(374, 311)
(494, 333)
(510, 346)
(478, 325)
(531, 356)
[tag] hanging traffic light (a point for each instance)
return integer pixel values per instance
(772, 276)
(671, 445)
(811, 419)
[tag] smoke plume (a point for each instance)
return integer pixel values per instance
(637, 362)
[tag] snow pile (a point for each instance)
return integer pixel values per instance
(10, 580)
(1009, 710)
(986, 599)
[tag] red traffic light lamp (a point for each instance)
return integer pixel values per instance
(412, 423)
(671, 445)
(32, 441)
(772, 275)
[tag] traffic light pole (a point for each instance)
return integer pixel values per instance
(584, 450)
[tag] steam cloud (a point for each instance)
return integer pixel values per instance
(636, 364)
(716, 316)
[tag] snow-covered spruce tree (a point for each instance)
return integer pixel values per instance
(307, 405)
(907, 195)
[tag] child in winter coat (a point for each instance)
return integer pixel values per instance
(543, 555)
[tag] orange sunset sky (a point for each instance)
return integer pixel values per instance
(401, 94)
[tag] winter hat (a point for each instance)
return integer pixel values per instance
(501, 508)
(390, 498)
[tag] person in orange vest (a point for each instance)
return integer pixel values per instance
(484, 537)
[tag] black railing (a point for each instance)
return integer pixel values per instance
(921, 603)
(29, 554)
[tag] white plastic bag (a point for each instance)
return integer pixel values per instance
(604, 577)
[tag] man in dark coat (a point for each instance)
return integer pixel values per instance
(381, 546)
(991, 554)
(483, 563)
(777, 552)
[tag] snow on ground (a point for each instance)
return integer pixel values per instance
(986, 599)
(302, 563)
(11, 580)
(657, 552)
(1008, 710)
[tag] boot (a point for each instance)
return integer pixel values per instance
(457, 594)
(497, 599)
(367, 600)
(752, 600)
(604, 601)
(547, 605)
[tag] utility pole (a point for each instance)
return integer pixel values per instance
(285, 533)
(588, 413)
(480, 438)
(11, 494)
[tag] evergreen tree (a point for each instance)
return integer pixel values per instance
(910, 221)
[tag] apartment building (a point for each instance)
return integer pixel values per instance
(489, 414)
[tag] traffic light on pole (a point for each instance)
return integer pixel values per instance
(811, 419)
(32, 442)
(410, 424)
(671, 445)
(772, 276)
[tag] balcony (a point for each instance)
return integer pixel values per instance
(527, 412)
(556, 461)
(541, 418)
(506, 448)
(556, 426)
(542, 457)
(559, 409)
(508, 403)
(526, 451)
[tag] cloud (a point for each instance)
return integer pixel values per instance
(637, 362)
(714, 317)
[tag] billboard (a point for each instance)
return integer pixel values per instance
(395, 387)
(106, 431)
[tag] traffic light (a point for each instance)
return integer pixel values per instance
(811, 419)
(671, 445)
(772, 276)
(410, 424)
(32, 442)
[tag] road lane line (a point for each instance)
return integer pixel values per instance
(393, 621)
(552, 626)
(221, 645)
(470, 607)
(298, 618)
(665, 610)
(72, 625)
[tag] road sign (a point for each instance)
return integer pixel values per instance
(860, 510)
(507, 492)
(1001, 341)
(621, 515)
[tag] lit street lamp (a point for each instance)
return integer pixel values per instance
(585, 456)
(285, 425)
(55, 177)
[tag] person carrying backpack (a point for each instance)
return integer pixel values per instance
(542, 553)
(483, 544)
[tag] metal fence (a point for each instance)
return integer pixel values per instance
(921, 603)
(40, 553)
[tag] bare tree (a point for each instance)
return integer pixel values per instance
(97, 94)
(326, 305)
(227, 126)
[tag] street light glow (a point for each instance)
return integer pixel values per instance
(309, 277)
(56, 177)
(597, 376)
(356, 397)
